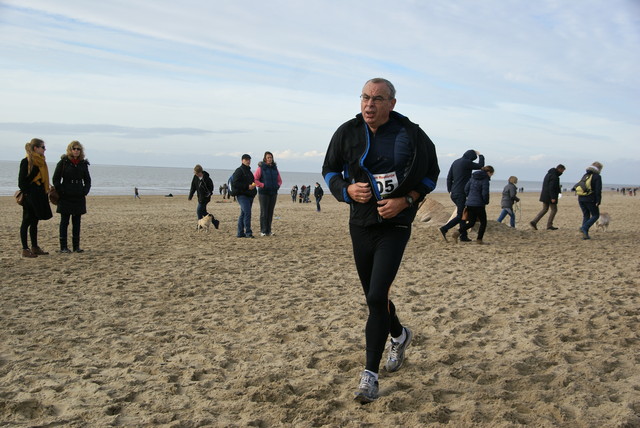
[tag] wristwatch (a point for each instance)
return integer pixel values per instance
(409, 200)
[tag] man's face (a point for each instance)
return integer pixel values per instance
(376, 108)
(247, 162)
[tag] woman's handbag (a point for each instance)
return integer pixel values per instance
(19, 197)
(53, 196)
(465, 214)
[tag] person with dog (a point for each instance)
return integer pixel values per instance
(268, 181)
(508, 199)
(243, 187)
(33, 181)
(590, 198)
(549, 197)
(457, 178)
(202, 185)
(382, 165)
(72, 180)
(477, 191)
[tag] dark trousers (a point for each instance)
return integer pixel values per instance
(29, 226)
(75, 230)
(378, 252)
(267, 206)
(590, 214)
(201, 209)
(476, 213)
(460, 201)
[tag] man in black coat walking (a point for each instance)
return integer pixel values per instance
(549, 197)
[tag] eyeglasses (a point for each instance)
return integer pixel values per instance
(76, 148)
(376, 100)
(42, 147)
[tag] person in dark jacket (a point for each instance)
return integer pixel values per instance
(508, 199)
(202, 186)
(549, 197)
(318, 193)
(477, 191)
(268, 180)
(244, 188)
(33, 181)
(382, 165)
(457, 178)
(590, 203)
(73, 182)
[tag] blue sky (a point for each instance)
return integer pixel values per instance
(159, 83)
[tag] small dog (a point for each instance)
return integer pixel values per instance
(205, 222)
(603, 222)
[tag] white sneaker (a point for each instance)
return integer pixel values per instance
(396, 352)
(368, 389)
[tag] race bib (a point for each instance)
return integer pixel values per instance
(386, 183)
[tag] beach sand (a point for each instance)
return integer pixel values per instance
(158, 325)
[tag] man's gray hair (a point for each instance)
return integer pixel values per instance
(392, 89)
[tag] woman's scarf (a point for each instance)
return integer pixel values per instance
(43, 175)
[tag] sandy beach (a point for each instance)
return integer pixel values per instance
(156, 324)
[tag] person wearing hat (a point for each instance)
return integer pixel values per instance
(244, 188)
(590, 203)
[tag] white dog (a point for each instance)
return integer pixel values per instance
(603, 222)
(204, 223)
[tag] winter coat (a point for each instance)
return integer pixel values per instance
(202, 187)
(477, 189)
(509, 196)
(550, 186)
(344, 164)
(460, 172)
(267, 179)
(72, 182)
(241, 180)
(596, 187)
(36, 201)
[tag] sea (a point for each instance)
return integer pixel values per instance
(118, 180)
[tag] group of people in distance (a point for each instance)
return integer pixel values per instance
(71, 181)
(379, 162)
(305, 191)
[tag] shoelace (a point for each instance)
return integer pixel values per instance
(393, 351)
(367, 381)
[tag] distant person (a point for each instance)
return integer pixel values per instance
(72, 180)
(307, 194)
(590, 198)
(136, 195)
(202, 186)
(268, 180)
(303, 190)
(382, 165)
(457, 178)
(33, 181)
(508, 199)
(224, 191)
(294, 193)
(549, 197)
(318, 193)
(244, 189)
(477, 191)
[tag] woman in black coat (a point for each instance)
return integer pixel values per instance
(73, 182)
(33, 181)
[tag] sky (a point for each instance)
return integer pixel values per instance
(529, 84)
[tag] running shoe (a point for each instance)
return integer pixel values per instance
(368, 388)
(396, 352)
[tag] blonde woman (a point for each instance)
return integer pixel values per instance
(33, 181)
(73, 182)
(508, 198)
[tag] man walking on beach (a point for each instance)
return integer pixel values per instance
(244, 188)
(457, 178)
(549, 197)
(382, 165)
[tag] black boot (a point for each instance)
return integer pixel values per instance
(63, 246)
(76, 244)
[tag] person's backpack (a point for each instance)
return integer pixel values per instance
(583, 187)
(231, 191)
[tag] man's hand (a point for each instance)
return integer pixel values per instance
(389, 208)
(359, 192)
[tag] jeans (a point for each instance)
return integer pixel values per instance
(378, 251)
(590, 214)
(504, 213)
(460, 201)
(318, 203)
(244, 220)
(201, 209)
(267, 206)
